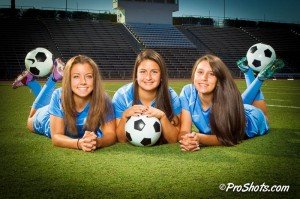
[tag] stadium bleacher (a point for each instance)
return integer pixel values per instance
(178, 51)
(17, 38)
(229, 43)
(114, 46)
(101, 40)
(157, 35)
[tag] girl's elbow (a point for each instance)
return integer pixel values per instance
(173, 139)
(54, 140)
(29, 125)
(121, 137)
(122, 140)
(114, 139)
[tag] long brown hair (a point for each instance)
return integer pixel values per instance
(99, 101)
(227, 119)
(163, 99)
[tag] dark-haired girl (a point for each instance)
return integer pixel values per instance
(215, 106)
(149, 94)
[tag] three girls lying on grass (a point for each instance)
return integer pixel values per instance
(80, 114)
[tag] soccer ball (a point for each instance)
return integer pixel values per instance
(260, 55)
(143, 130)
(39, 62)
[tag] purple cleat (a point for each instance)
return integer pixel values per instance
(22, 79)
(58, 69)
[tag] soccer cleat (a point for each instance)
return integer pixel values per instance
(242, 64)
(22, 79)
(58, 69)
(270, 69)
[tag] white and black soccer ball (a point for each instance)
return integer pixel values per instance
(260, 55)
(143, 130)
(39, 62)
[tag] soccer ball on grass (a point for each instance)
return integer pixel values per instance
(39, 62)
(143, 130)
(260, 55)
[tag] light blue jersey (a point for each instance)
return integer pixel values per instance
(124, 96)
(256, 123)
(41, 123)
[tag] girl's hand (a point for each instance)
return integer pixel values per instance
(154, 112)
(90, 134)
(135, 110)
(88, 142)
(189, 142)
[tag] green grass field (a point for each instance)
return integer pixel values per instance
(32, 168)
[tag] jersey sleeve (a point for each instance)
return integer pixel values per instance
(55, 107)
(176, 106)
(119, 104)
(184, 96)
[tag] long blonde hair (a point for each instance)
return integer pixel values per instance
(99, 101)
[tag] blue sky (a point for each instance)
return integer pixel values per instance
(271, 10)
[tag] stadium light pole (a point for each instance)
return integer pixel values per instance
(13, 4)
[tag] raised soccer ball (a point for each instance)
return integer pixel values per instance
(39, 62)
(260, 55)
(142, 130)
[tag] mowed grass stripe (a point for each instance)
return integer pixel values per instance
(280, 106)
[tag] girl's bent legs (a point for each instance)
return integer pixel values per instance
(262, 105)
(41, 100)
(45, 94)
(249, 77)
(30, 120)
(39, 120)
(250, 94)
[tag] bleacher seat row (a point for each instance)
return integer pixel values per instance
(114, 46)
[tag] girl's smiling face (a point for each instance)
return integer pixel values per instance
(148, 75)
(82, 80)
(204, 79)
